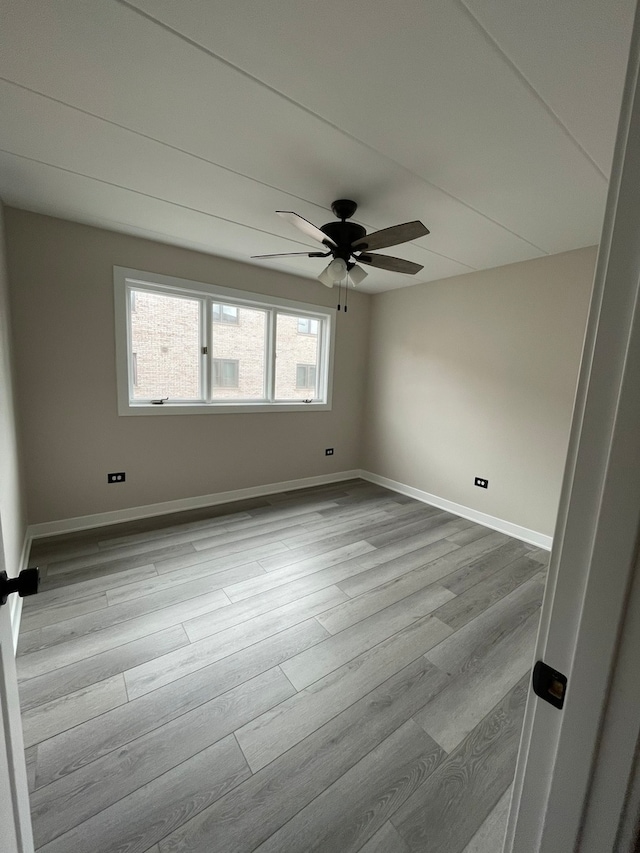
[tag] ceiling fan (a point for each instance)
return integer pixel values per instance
(350, 245)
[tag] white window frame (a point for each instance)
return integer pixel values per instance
(125, 279)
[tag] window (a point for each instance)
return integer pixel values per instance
(224, 372)
(224, 313)
(305, 376)
(182, 345)
(307, 326)
(165, 337)
(245, 344)
(297, 358)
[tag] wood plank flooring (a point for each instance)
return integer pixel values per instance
(336, 669)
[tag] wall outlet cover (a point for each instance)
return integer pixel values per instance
(480, 481)
(118, 477)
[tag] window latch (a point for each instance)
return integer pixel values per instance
(159, 402)
(205, 350)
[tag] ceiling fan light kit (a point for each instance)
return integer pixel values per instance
(337, 269)
(326, 278)
(349, 244)
(357, 275)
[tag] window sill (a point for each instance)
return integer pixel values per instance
(218, 409)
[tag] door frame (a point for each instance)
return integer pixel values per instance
(18, 812)
(591, 607)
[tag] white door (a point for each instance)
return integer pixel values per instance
(15, 821)
(576, 766)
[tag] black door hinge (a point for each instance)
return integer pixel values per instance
(549, 684)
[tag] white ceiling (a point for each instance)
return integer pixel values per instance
(493, 121)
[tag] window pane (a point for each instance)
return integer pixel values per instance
(224, 373)
(238, 353)
(296, 358)
(306, 376)
(224, 313)
(165, 338)
(307, 326)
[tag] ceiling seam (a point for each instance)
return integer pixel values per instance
(526, 82)
(321, 118)
(141, 193)
(202, 160)
(185, 206)
(169, 145)
(168, 239)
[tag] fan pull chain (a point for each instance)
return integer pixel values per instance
(339, 291)
(346, 294)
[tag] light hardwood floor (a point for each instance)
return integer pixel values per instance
(336, 669)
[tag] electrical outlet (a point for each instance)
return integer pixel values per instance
(119, 477)
(329, 451)
(480, 481)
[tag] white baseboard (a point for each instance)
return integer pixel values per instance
(16, 601)
(515, 530)
(102, 519)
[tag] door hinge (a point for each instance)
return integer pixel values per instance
(549, 684)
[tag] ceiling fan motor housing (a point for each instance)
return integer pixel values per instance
(343, 235)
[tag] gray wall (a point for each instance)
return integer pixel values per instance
(475, 376)
(62, 301)
(12, 508)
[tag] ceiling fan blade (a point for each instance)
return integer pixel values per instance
(391, 236)
(385, 262)
(306, 227)
(293, 254)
